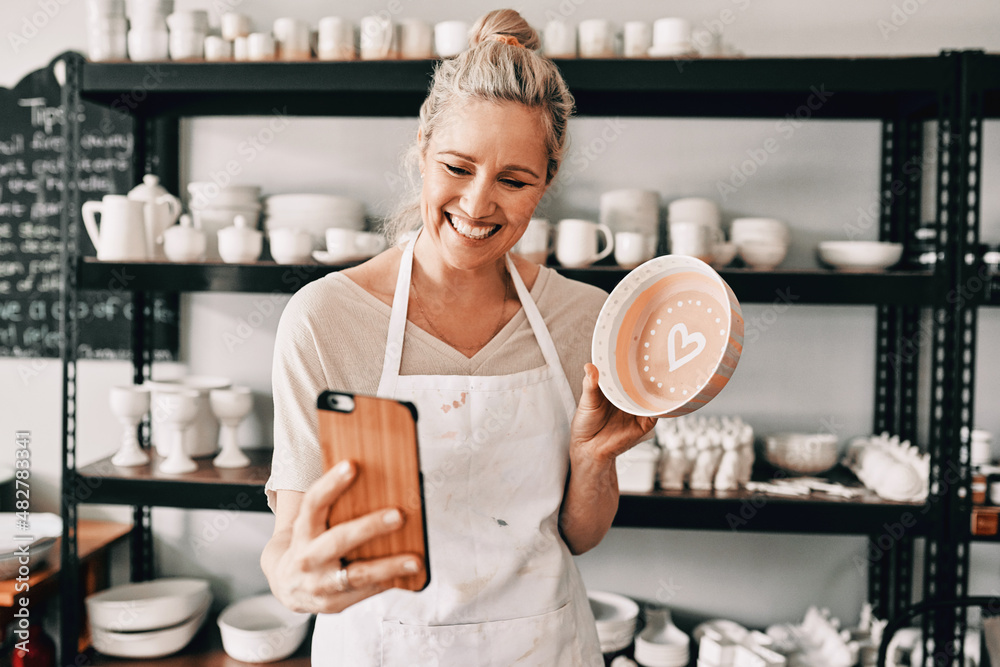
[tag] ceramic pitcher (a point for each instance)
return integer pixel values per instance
(121, 236)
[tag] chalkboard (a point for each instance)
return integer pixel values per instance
(32, 156)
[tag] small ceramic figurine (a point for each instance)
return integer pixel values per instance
(745, 439)
(703, 473)
(674, 465)
(727, 476)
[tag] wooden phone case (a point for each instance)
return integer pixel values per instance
(380, 436)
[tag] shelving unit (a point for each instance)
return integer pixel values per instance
(902, 93)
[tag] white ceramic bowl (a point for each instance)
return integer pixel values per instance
(42, 525)
(206, 194)
(859, 255)
(10, 563)
(762, 255)
(261, 629)
(291, 246)
(668, 338)
(616, 617)
(150, 605)
(153, 643)
(723, 254)
(802, 453)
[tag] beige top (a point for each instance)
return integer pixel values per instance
(332, 335)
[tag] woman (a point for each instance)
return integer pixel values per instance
(523, 464)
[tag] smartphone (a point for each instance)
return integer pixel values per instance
(380, 436)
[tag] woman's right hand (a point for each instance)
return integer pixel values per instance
(303, 575)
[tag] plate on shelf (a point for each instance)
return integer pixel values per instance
(668, 338)
(859, 256)
(324, 257)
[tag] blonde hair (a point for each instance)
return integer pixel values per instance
(493, 70)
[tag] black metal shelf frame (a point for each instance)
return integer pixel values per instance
(903, 93)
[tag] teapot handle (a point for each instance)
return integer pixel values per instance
(88, 211)
(173, 205)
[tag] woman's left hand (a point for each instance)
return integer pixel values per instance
(599, 428)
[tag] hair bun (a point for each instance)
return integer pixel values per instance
(503, 22)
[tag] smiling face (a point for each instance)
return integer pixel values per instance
(483, 174)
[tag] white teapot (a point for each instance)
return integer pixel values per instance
(161, 210)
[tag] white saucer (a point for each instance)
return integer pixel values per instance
(323, 257)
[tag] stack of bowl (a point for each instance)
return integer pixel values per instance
(215, 208)
(44, 528)
(762, 242)
(616, 617)
(314, 213)
(147, 36)
(106, 30)
(261, 629)
(148, 620)
(661, 643)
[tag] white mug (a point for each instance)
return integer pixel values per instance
(376, 38)
(597, 39)
(535, 244)
(346, 244)
(576, 243)
(234, 25)
(633, 248)
(121, 236)
(218, 49)
(694, 239)
(260, 47)
(559, 40)
(416, 39)
(291, 37)
(637, 37)
(451, 38)
(336, 39)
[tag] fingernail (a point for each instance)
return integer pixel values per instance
(392, 517)
(411, 566)
(344, 469)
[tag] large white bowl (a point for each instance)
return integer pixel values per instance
(616, 617)
(261, 629)
(802, 453)
(706, 340)
(41, 525)
(150, 605)
(153, 643)
(859, 255)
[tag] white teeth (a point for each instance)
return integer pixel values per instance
(470, 232)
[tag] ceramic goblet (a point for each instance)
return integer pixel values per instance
(231, 406)
(129, 403)
(180, 409)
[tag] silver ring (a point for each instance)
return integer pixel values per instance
(340, 580)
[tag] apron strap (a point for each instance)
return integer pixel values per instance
(544, 339)
(397, 325)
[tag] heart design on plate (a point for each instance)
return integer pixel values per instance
(680, 330)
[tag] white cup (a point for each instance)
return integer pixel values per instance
(694, 239)
(559, 40)
(377, 35)
(241, 49)
(347, 244)
(577, 242)
(218, 49)
(637, 37)
(451, 38)
(597, 39)
(291, 37)
(535, 244)
(633, 248)
(290, 245)
(235, 25)
(671, 32)
(981, 447)
(107, 41)
(146, 45)
(416, 39)
(260, 47)
(631, 210)
(187, 44)
(336, 39)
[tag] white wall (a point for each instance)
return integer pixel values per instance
(811, 367)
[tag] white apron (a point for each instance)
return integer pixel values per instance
(504, 589)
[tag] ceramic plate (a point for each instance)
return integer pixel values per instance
(668, 338)
(324, 257)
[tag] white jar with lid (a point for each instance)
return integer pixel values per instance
(240, 243)
(184, 242)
